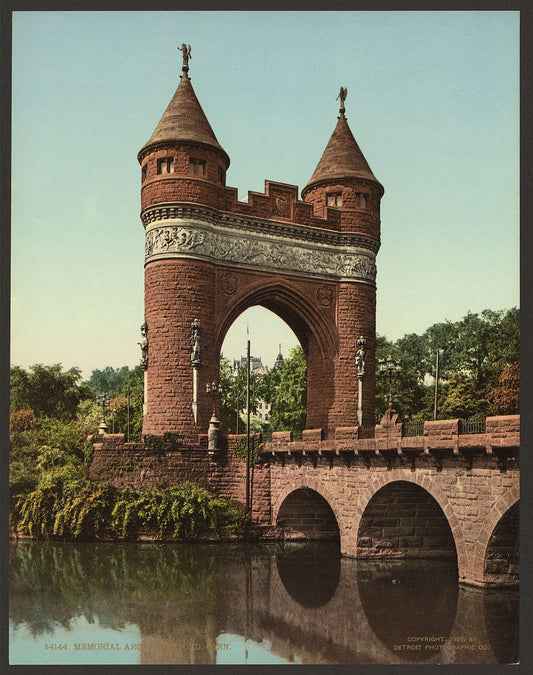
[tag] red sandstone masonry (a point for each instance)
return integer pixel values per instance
(473, 500)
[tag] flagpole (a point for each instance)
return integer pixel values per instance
(247, 423)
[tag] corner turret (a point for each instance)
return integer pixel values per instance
(343, 180)
(183, 160)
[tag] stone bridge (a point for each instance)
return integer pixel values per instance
(440, 494)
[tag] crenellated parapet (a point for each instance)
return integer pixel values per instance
(498, 443)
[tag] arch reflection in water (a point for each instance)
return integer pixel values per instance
(175, 597)
(310, 572)
(403, 599)
(501, 611)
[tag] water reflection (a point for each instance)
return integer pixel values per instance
(408, 599)
(309, 572)
(286, 603)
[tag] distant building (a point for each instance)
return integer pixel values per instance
(256, 365)
(279, 359)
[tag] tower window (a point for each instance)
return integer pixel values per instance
(164, 165)
(222, 176)
(197, 166)
(361, 197)
(334, 199)
(144, 172)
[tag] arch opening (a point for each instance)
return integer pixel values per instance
(503, 550)
(276, 356)
(306, 515)
(307, 323)
(403, 520)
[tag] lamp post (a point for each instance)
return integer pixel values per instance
(437, 373)
(391, 369)
(213, 434)
(103, 402)
(236, 378)
(213, 390)
(360, 363)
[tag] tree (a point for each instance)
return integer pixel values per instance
(408, 388)
(48, 390)
(460, 397)
(233, 394)
(286, 392)
(121, 383)
(505, 395)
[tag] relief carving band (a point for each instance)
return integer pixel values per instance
(206, 242)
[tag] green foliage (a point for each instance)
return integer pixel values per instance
(474, 353)
(286, 392)
(123, 385)
(159, 445)
(109, 380)
(460, 397)
(255, 449)
(233, 395)
(23, 478)
(82, 510)
(48, 390)
(49, 448)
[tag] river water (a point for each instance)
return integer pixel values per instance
(246, 603)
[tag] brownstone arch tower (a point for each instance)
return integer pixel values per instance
(209, 257)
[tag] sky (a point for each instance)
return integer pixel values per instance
(433, 102)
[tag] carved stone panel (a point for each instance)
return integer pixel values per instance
(188, 238)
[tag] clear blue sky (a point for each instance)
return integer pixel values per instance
(432, 101)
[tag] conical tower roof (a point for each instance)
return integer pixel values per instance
(342, 157)
(184, 120)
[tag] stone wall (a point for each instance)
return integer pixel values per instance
(390, 495)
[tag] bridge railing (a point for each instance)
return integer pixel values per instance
(473, 425)
(266, 436)
(413, 429)
(367, 431)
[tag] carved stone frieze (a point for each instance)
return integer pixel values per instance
(179, 238)
(160, 213)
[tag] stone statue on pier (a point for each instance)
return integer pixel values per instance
(143, 344)
(195, 343)
(360, 356)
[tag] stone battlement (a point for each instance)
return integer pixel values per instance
(502, 438)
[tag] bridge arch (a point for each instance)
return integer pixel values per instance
(303, 483)
(378, 482)
(510, 500)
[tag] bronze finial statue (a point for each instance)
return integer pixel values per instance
(186, 53)
(342, 96)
